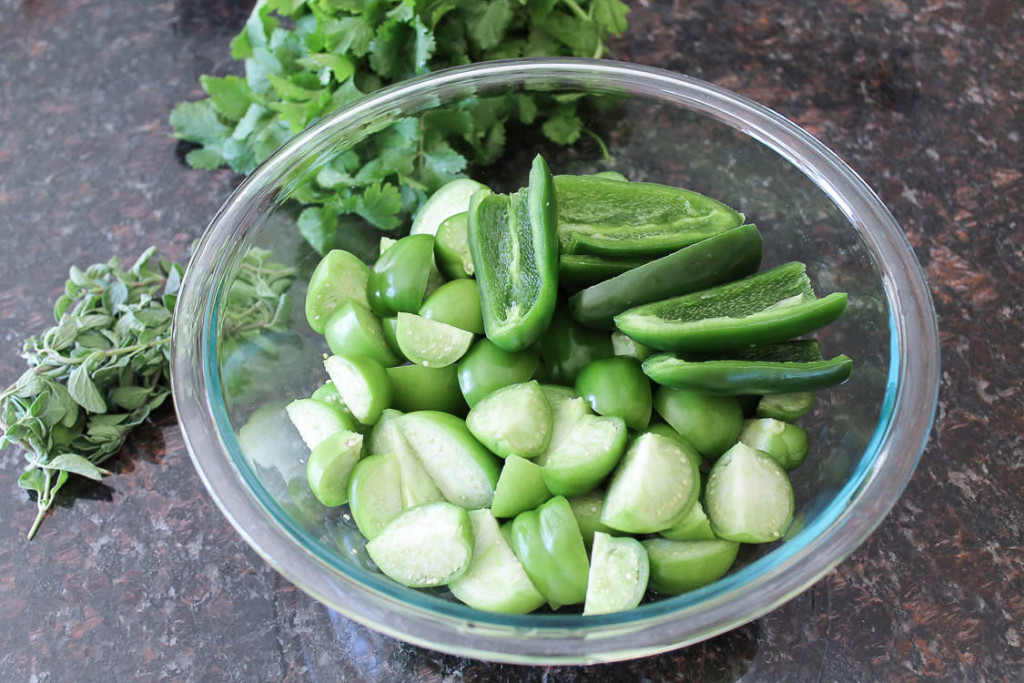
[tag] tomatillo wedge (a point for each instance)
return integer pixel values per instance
(363, 384)
(315, 421)
(451, 248)
(662, 429)
(430, 343)
(785, 443)
(766, 308)
(567, 347)
(548, 543)
(721, 258)
(787, 407)
(617, 387)
(515, 253)
(654, 486)
(495, 580)
(749, 497)
(695, 526)
(520, 487)
(486, 368)
(581, 461)
(771, 369)
(398, 280)
(415, 387)
(429, 545)
(618, 575)
(330, 465)
(584, 270)
(375, 493)
(586, 508)
(353, 328)
(450, 199)
(709, 424)
(460, 466)
(681, 566)
(339, 277)
(609, 217)
(514, 420)
(416, 486)
(456, 303)
(328, 393)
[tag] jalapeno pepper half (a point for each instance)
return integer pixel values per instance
(612, 218)
(722, 258)
(772, 369)
(515, 254)
(766, 308)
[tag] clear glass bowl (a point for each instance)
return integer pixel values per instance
(866, 436)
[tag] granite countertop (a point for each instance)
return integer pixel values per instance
(142, 576)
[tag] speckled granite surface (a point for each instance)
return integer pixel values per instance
(142, 577)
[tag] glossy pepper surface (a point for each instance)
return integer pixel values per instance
(789, 367)
(766, 308)
(721, 258)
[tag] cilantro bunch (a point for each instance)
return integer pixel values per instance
(306, 58)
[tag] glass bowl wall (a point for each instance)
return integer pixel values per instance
(866, 436)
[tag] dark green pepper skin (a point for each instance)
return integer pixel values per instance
(548, 543)
(515, 253)
(486, 368)
(399, 279)
(583, 270)
(617, 387)
(783, 368)
(727, 256)
(766, 308)
(568, 347)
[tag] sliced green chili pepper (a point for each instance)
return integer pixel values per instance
(515, 253)
(721, 258)
(398, 281)
(583, 270)
(771, 369)
(548, 543)
(604, 216)
(769, 307)
(568, 347)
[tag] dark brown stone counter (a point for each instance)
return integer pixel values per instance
(142, 577)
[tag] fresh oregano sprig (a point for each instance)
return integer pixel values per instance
(94, 375)
(105, 365)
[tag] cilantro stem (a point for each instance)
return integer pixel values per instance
(577, 10)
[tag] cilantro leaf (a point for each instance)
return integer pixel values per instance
(610, 15)
(329, 53)
(230, 96)
(198, 122)
(379, 205)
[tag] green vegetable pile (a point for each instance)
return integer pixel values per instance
(306, 58)
(524, 441)
(103, 368)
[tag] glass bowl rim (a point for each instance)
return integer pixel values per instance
(895, 448)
